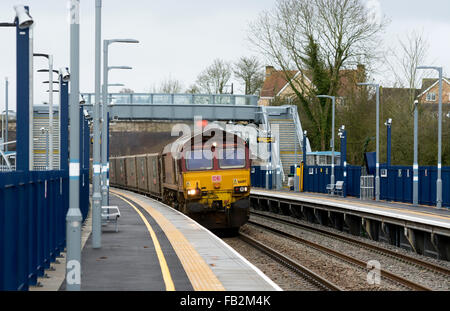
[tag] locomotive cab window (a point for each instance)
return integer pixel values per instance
(232, 158)
(197, 160)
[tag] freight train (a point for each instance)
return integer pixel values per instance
(205, 176)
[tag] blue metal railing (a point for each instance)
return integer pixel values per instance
(33, 208)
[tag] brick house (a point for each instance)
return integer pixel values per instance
(277, 86)
(429, 95)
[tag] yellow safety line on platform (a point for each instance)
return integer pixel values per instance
(162, 260)
(199, 273)
(368, 205)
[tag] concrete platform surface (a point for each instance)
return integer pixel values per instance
(158, 248)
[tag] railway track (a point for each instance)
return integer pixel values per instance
(295, 266)
(374, 248)
(351, 260)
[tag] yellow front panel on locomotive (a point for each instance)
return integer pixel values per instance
(205, 187)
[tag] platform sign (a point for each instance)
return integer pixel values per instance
(266, 139)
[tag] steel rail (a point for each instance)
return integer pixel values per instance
(381, 250)
(344, 257)
(306, 273)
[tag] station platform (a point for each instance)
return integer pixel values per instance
(158, 248)
(428, 216)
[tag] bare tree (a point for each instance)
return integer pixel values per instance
(413, 51)
(250, 71)
(168, 86)
(126, 91)
(317, 38)
(193, 89)
(215, 77)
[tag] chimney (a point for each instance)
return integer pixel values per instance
(269, 71)
(361, 73)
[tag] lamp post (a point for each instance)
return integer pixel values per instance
(305, 171)
(416, 162)
(439, 164)
(50, 102)
(63, 78)
(6, 111)
(377, 176)
(23, 23)
(343, 136)
(96, 163)
(74, 217)
(45, 131)
(333, 99)
(388, 125)
(105, 135)
(104, 151)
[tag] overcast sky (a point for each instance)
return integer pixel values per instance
(178, 39)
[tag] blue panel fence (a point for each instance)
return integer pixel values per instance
(258, 177)
(33, 208)
(316, 178)
(396, 182)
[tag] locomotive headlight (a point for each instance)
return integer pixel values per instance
(240, 189)
(193, 192)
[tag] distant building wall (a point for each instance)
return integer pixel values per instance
(139, 137)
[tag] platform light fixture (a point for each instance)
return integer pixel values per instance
(23, 17)
(65, 74)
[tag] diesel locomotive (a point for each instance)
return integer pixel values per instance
(205, 176)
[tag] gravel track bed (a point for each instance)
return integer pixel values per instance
(396, 249)
(420, 275)
(282, 276)
(341, 273)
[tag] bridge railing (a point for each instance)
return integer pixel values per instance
(177, 99)
(33, 208)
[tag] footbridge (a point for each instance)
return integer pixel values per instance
(282, 122)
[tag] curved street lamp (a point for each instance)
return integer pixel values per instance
(104, 140)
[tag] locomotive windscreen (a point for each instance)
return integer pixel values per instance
(197, 160)
(232, 158)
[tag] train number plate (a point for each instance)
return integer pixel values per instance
(216, 178)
